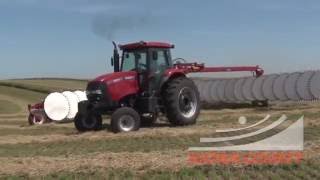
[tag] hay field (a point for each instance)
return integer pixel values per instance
(58, 151)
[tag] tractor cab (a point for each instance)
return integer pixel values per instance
(149, 59)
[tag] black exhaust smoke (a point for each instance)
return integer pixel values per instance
(107, 26)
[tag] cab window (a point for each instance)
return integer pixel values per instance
(132, 60)
(160, 60)
(142, 61)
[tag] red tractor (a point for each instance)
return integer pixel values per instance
(146, 82)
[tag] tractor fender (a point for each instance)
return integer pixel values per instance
(171, 75)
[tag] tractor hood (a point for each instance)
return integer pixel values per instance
(111, 78)
(116, 85)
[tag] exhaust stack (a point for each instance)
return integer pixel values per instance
(116, 58)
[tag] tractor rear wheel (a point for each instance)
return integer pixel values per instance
(88, 122)
(125, 119)
(182, 101)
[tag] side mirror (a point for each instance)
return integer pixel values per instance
(154, 55)
(112, 61)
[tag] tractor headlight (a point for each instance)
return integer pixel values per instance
(98, 92)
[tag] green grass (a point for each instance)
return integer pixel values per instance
(46, 85)
(27, 87)
(306, 170)
(8, 107)
(35, 90)
(22, 94)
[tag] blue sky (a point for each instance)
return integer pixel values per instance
(58, 38)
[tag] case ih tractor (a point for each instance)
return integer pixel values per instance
(146, 82)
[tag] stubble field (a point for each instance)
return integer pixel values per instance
(160, 152)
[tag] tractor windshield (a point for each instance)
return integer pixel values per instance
(134, 60)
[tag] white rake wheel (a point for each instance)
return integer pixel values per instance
(290, 86)
(295, 86)
(195, 81)
(73, 103)
(56, 106)
(257, 88)
(81, 95)
(214, 91)
(202, 90)
(229, 90)
(221, 90)
(303, 86)
(238, 90)
(206, 91)
(247, 89)
(315, 85)
(212, 88)
(278, 87)
(199, 84)
(267, 87)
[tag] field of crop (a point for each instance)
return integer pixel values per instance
(45, 85)
(58, 151)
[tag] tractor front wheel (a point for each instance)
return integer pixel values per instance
(125, 119)
(181, 101)
(88, 122)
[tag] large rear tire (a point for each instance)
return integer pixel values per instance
(88, 122)
(125, 119)
(182, 101)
